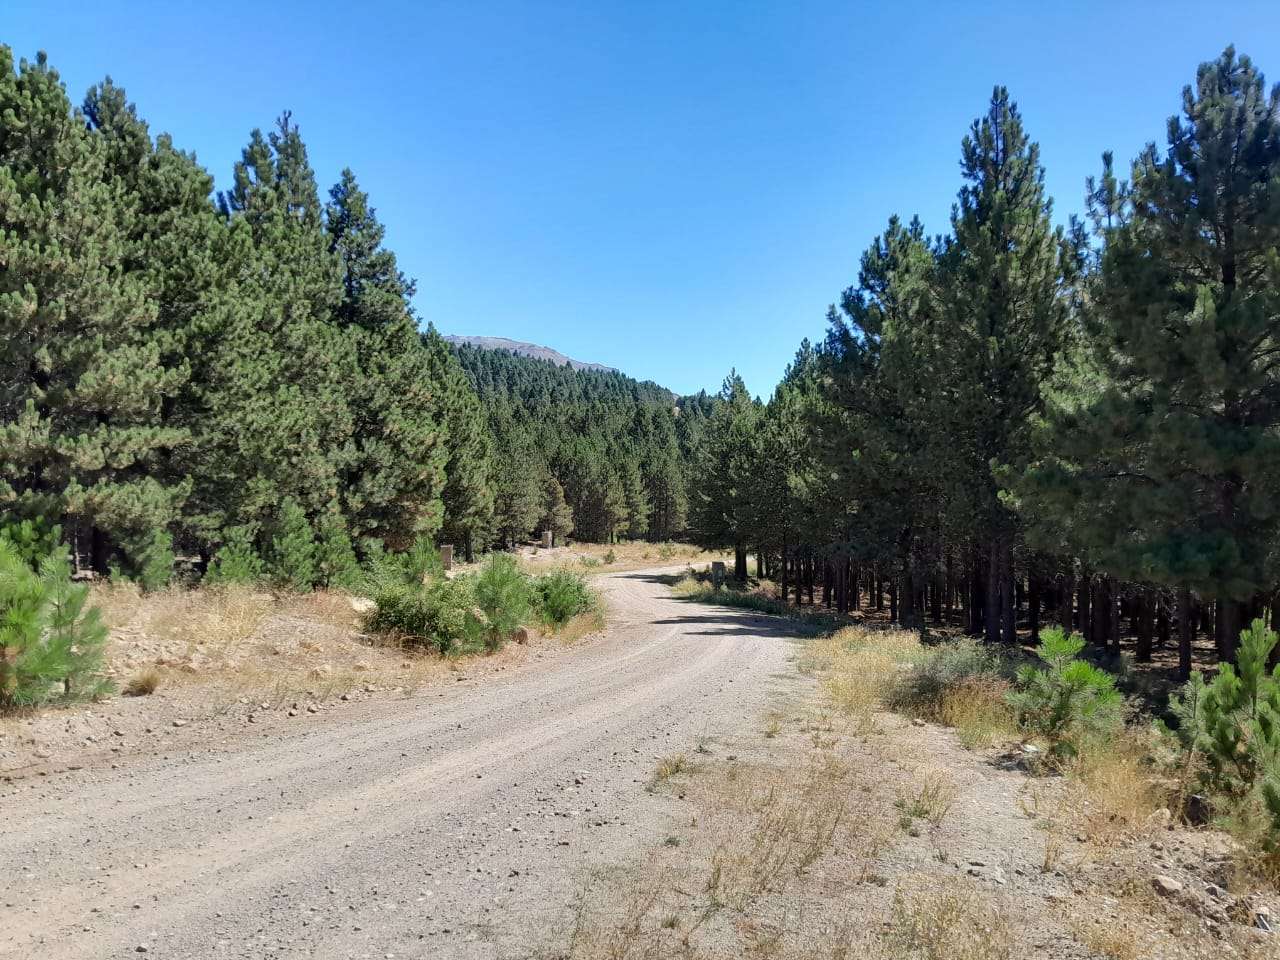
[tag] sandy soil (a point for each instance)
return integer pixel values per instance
(453, 822)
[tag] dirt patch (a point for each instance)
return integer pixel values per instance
(837, 830)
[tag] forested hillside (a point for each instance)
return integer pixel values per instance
(189, 374)
(591, 452)
(1018, 420)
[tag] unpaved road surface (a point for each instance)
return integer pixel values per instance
(460, 823)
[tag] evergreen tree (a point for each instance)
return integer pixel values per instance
(84, 372)
(393, 481)
(1007, 279)
(557, 514)
(1179, 445)
(721, 504)
(468, 490)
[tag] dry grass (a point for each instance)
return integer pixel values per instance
(723, 887)
(930, 799)
(979, 712)
(947, 921)
(1114, 793)
(667, 768)
(580, 626)
(144, 683)
(858, 667)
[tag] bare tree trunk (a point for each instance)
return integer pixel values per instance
(992, 611)
(1186, 628)
(1008, 609)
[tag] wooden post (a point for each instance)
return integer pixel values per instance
(717, 574)
(446, 556)
(546, 539)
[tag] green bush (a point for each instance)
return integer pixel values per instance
(1233, 724)
(151, 560)
(415, 566)
(561, 596)
(503, 593)
(610, 557)
(1069, 702)
(921, 689)
(293, 549)
(440, 615)
(336, 560)
(51, 641)
(236, 561)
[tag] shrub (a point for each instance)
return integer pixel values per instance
(143, 684)
(439, 615)
(414, 567)
(151, 560)
(336, 556)
(610, 557)
(1071, 700)
(236, 561)
(921, 689)
(503, 592)
(561, 596)
(51, 641)
(1233, 724)
(293, 549)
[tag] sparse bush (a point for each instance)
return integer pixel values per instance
(502, 592)
(143, 684)
(561, 596)
(1069, 702)
(922, 689)
(236, 561)
(610, 557)
(51, 640)
(978, 708)
(947, 923)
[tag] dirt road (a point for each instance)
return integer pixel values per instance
(460, 823)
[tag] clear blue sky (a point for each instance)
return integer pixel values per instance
(672, 188)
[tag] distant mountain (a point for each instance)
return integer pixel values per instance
(529, 350)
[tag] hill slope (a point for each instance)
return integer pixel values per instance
(534, 350)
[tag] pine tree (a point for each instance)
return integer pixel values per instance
(468, 489)
(1007, 276)
(1169, 474)
(721, 504)
(393, 482)
(83, 368)
(557, 514)
(276, 419)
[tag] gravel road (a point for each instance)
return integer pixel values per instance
(458, 823)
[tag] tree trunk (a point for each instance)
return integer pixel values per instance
(893, 599)
(1186, 628)
(1033, 606)
(1084, 611)
(1229, 626)
(991, 613)
(1008, 608)
(1145, 624)
(783, 572)
(740, 563)
(1065, 597)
